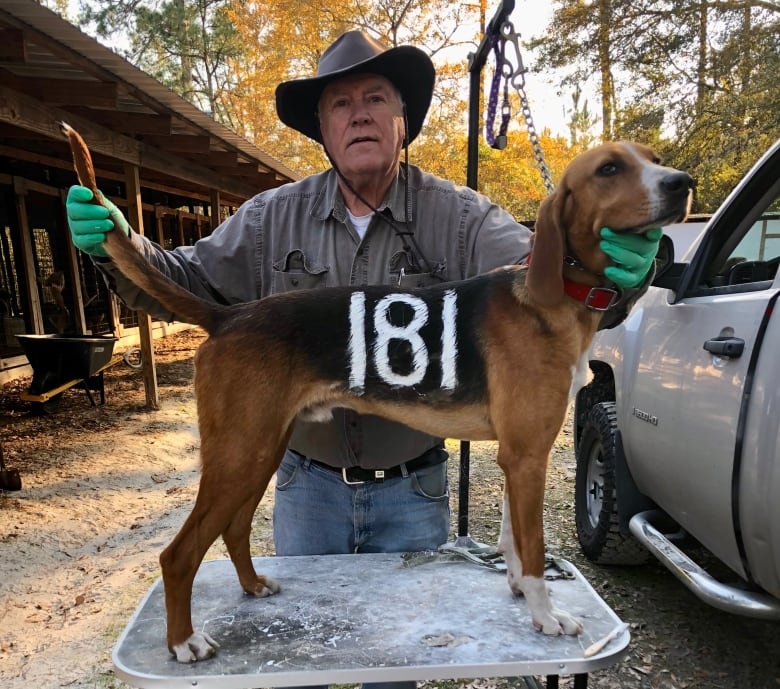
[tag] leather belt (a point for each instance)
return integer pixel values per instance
(356, 475)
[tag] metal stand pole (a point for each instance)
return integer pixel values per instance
(476, 63)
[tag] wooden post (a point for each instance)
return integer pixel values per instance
(180, 228)
(136, 218)
(30, 285)
(215, 216)
(72, 259)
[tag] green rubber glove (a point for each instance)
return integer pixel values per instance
(89, 222)
(633, 255)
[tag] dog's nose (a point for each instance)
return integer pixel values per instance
(677, 183)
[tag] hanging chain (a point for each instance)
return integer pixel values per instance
(498, 142)
(515, 75)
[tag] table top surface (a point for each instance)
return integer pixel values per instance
(365, 618)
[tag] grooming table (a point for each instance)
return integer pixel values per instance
(366, 618)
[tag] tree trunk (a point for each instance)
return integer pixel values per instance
(605, 68)
(701, 67)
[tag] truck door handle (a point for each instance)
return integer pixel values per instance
(731, 347)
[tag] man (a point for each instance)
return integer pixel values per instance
(354, 483)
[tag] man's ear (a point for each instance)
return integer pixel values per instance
(545, 273)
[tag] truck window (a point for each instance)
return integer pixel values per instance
(746, 258)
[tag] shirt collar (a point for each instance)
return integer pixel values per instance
(330, 201)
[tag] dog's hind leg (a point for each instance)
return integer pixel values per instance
(229, 482)
(236, 535)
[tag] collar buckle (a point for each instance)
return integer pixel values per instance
(601, 298)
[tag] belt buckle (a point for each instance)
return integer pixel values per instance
(379, 475)
(346, 480)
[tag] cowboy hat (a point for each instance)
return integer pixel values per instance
(408, 68)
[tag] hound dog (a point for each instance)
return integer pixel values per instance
(489, 358)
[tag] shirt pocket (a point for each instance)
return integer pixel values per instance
(297, 271)
(404, 274)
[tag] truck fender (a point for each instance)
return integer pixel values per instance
(630, 500)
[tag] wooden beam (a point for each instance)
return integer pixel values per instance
(159, 214)
(96, 94)
(245, 170)
(29, 113)
(12, 46)
(214, 210)
(221, 159)
(30, 283)
(23, 111)
(72, 261)
(128, 123)
(267, 180)
(180, 227)
(180, 143)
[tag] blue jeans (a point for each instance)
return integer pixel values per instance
(316, 513)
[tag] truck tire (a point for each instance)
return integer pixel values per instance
(595, 497)
(600, 389)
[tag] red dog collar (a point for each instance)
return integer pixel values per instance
(595, 298)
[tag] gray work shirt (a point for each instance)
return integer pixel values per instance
(299, 236)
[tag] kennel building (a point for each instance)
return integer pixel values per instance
(169, 166)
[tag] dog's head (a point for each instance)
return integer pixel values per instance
(620, 185)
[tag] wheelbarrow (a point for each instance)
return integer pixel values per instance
(60, 362)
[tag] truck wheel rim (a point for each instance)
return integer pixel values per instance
(594, 487)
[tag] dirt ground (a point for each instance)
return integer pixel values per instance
(106, 488)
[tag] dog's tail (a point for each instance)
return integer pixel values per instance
(186, 306)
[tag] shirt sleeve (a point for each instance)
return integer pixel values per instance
(221, 267)
(499, 241)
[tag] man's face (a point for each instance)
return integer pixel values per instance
(361, 120)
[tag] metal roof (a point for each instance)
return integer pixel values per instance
(43, 58)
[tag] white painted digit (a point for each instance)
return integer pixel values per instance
(449, 343)
(357, 341)
(386, 331)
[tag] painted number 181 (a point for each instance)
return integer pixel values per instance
(385, 332)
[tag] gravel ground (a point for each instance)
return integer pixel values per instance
(106, 488)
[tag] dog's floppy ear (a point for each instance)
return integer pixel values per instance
(545, 273)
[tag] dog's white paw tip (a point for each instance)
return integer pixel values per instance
(268, 587)
(558, 623)
(571, 626)
(199, 646)
(271, 587)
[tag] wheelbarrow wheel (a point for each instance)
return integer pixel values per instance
(132, 358)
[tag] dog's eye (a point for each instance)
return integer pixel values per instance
(608, 170)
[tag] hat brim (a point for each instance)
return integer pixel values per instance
(407, 67)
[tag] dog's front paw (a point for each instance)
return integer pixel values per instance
(265, 587)
(198, 647)
(545, 617)
(557, 622)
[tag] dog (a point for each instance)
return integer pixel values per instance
(58, 315)
(489, 358)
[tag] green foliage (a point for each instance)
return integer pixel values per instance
(185, 44)
(696, 79)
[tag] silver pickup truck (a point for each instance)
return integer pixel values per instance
(677, 437)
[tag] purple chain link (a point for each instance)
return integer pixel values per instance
(498, 143)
